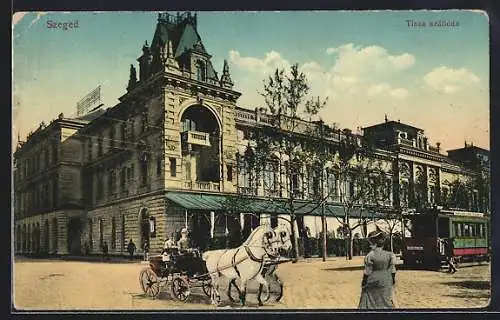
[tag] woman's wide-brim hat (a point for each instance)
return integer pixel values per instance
(377, 237)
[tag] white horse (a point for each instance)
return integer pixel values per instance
(244, 263)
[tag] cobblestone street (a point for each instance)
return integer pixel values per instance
(63, 285)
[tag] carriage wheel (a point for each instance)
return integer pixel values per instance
(149, 282)
(180, 289)
(207, 287)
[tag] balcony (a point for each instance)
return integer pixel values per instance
(201, 185)
(406, 142)
(196, 137)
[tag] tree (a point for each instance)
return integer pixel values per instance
(362, 179)
(285, 140)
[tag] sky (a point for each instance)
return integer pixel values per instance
(367, 63)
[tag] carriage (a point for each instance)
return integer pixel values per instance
(183, 272)
(190, 269)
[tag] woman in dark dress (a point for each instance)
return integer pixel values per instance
(379, 275)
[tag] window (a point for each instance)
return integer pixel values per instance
(200, 71)
(144, 121)
(99, 186)
(130, 131)
(101, 232)
(131, 172)
(188, 125)
(123, 233)
(123, 133)
(91, 239)
(229, 172)
(351, 187)
(54, 152)
(89, 149)
(55, 190)
(112, 182)
(144, 169)
(46, 157)
(173, 167)
(112, 137)
(123, 179)
(99, 145)
(158, 166)
(432, 194)
(113, 233)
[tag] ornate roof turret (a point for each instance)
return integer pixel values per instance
(226, 81)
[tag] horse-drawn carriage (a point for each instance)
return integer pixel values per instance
(180, 272)
(256, 258)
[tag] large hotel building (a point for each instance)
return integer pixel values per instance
(171, 151)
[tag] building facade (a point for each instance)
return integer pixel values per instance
(170, 155)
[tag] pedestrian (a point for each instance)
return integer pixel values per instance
(86, 248)
(307, 242)
(131, 249)
(146, 250)
(448, 252)
(379, 275)
(104, 249)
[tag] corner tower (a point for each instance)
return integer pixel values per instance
(197, 107)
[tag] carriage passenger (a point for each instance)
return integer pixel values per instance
(184, 242)
(169, 249)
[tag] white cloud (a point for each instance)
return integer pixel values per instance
(403, 61)
(384, 89)
(399, 93)
(449, 80)
(269, 63)
(362, 60)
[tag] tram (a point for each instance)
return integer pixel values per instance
(469, 231)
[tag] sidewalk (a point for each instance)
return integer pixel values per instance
(89, 258)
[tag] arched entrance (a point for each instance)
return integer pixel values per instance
(75, 227)
(143, 226)
(200, 138)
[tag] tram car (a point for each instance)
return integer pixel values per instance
(425, 247)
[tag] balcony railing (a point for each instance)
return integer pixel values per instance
(406, 142)
(247, 190)
(196, 137)
(202, 185)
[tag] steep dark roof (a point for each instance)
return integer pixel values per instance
(184, 36)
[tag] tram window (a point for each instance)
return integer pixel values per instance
(457, 228)
(466, 230)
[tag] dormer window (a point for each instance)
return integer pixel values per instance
(200, 71)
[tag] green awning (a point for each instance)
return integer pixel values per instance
(218, 202)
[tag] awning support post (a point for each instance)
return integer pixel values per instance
(186, 218)
(212, 223)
